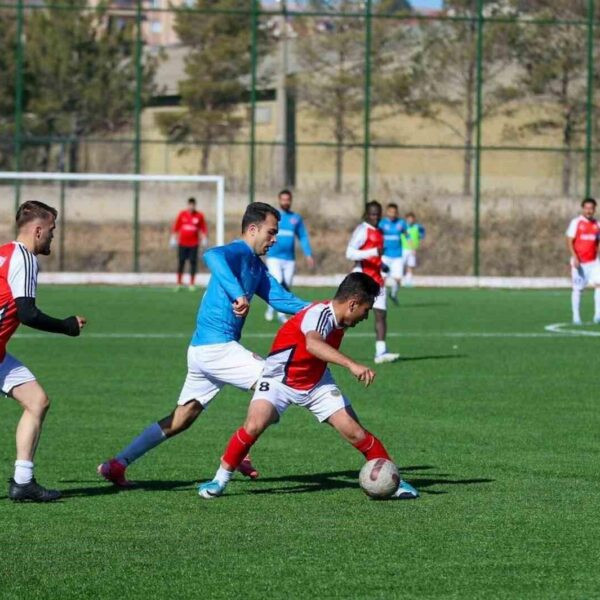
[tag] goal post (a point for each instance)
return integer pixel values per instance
(218, 181)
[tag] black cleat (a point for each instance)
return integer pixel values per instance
(32, 492)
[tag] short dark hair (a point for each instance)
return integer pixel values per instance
(32, 210)
(256, 212)
(392, 205)
(373, 204)
(588, 201)
(285, 192)
(411, 214)
(192, 200)
(357, 285)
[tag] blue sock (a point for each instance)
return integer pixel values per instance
(152, 436)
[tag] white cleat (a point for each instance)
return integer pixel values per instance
(386, 357)
(269, 316)
(405, 491)
(577, 322)
(282, 319)
(596, 320)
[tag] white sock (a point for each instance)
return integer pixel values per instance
(222, 476)
(23, 471)
(152, 436)
(380, 347)
(394, 287)
(270, 313)
(596, 303)
(575, 300)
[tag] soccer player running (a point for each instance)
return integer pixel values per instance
(411, 240)
(36, 222)
(582, 241)
(189, 231)
(215, 357)
(296, 373)
(366, 248)
(393, 227)
(281, 259)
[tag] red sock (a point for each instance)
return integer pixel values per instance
(179, 277)
(372, 448)
(192, 279)
(237, 448)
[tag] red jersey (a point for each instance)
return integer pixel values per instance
(189, 226)
(18, 279)
(365, 247)
(586, 233)
(289, 361)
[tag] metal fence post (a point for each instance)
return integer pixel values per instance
(18, 100)
(253, 65)
(367, 91)
(590, 99)
(479, 111)
(137, 141)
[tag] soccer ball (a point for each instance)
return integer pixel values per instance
(379, 478)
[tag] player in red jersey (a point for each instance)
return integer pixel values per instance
(18, 282)
(189, 231)
(366, 248)
(582, 241)
(296, 373)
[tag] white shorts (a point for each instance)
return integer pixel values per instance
(322, 401)
(380, 301)
(410, 258)
(212, 366)
(282, 270)
(396, 266)
(13, 373)
(587, 273)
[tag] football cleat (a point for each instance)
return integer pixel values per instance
(210, 489)
(191, 288)
(31, 492)
(114, 471)
(394, 298)
(269, 315)
(282, 318)
(577, 322)
(596, 320)
(405, 491)
(246, 468)
(386, 357)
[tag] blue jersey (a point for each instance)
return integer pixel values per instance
(236, 271)
(291, 226)
(392, 232)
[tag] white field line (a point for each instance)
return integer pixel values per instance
(559, 328)
(395, 334)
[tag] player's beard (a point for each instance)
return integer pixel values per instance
(45, 247)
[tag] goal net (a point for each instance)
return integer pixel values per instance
(116, 222)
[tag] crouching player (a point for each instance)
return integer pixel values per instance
(296, 373)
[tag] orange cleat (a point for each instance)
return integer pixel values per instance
(247, 469)
(114, 471)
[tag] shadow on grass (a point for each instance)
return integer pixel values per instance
(336, 480)
(106, 489)
(431, 357)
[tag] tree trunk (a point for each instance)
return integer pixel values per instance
(469, 127)
(339, 166)
(567, 167)
(205, 158)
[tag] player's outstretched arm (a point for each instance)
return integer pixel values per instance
(318, 347)
(353, 251)
(216, 261)
(29, 314)
(275, 295)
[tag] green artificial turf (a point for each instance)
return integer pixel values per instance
(493, 419)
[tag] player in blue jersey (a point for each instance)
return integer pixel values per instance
(393, 228)
(215, 357)
(281, 259)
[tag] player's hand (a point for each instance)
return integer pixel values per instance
(380, 251)
(310, 261)
(204, 242)
(173, 241)
(385, 269)
(241, 306)
(362, 373)
(575, 262)
(81, 321)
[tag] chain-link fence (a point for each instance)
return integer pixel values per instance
(480, 117)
